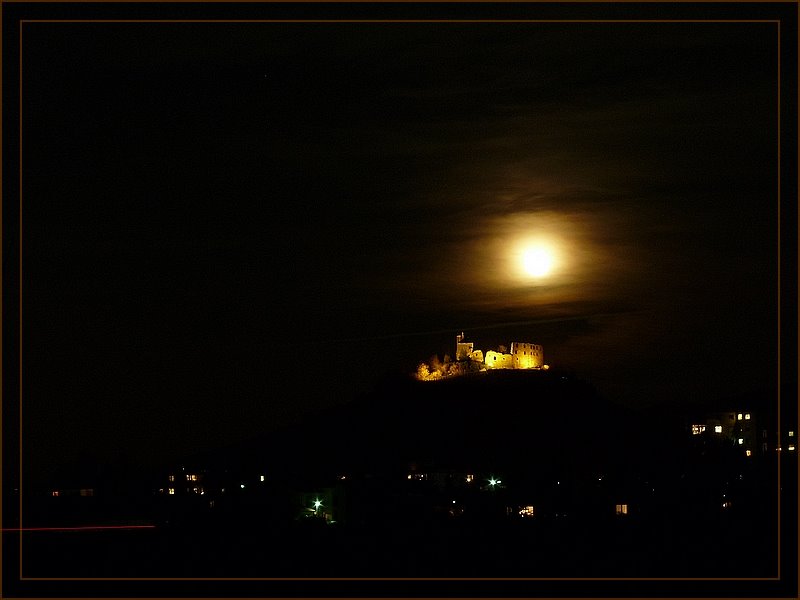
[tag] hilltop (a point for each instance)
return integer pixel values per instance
(520, 420)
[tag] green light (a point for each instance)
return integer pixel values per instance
(317, 504)
(492, 481)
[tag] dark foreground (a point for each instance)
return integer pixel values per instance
(728, 547)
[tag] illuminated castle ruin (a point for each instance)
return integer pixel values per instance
(523, 355)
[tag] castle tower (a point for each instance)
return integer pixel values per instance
(463, 349)
(527, 355)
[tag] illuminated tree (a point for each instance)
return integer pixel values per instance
(423, 372)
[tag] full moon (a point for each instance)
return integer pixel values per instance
(537, 262)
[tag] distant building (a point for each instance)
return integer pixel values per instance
(738, 427)
(523, 355)
(67, 492)
(180, 482)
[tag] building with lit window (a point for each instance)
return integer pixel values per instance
(181, 482)
(737, 427)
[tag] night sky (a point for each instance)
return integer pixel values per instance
(226, 226)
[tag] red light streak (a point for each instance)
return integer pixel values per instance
(85, 528)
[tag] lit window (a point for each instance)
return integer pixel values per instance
(717, 428)
(698, 429)
(55, 493)
(191, 478)
(791, 447)
(241, 485)
(791, 434)
(741, 441)
(739, 416)
(172, 477)
(622, 509)
(262, 478)
(747, 417)
(526, 511)
(748, 453)
(171, 491)
(470, 478)
(764, 447)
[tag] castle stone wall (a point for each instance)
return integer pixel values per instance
(499, 360)
(463, 350)
(527, 355)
